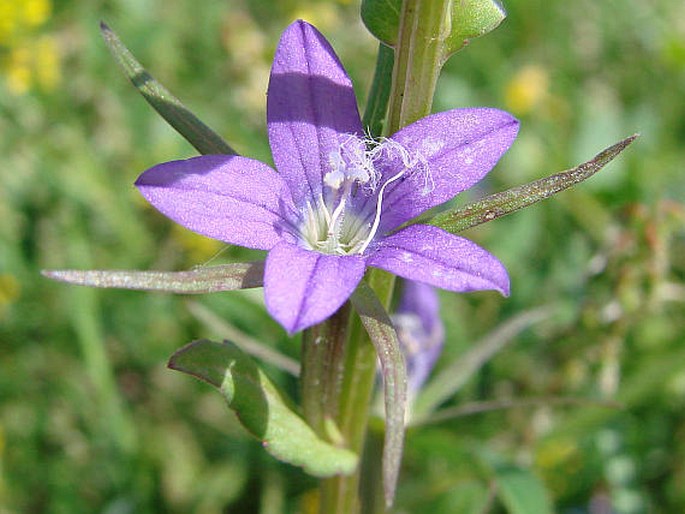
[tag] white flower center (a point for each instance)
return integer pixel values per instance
(344, 220)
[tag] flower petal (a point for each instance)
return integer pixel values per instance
(302, 288)
(430, 255)
(311, 108)
(234, 199)
(459, 147)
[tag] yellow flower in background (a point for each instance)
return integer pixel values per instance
(18, 17)
(18, 70)
(9, 291)
(46, 61)
(36, 12)
(527, 89)
(27, 59)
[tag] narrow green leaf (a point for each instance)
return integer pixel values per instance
(204, 139)
(472, 19)
(452, 378)
(521, 491)
(211, 279)
(382, 334)
(261, 408)
(500, 204)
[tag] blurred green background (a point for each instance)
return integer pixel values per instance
(92, 421)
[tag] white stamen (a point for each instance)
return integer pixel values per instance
(337, 213)
(338, 221)
(379, 203)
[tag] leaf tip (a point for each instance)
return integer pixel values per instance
(107, 33)
(632, 138)
(54, 274)
(389, 493)
(199, 359)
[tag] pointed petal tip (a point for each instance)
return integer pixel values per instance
(505, 291)
(61, 275)
(303, 287)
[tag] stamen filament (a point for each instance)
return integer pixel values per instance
(339, 209)
(379, 205)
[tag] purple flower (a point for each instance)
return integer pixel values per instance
(419, 330)
(338, 198)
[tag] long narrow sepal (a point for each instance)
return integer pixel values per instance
(499, 204)
(226, 277)
(261, 408)
(204, 139)
(384, 337)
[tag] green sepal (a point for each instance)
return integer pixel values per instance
(468, 19)
(261, 408)
(209, 279)
(378, 325)
(499, 204)
(204, 139)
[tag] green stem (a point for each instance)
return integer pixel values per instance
(323, 359)
(419, 56)
(340, 495)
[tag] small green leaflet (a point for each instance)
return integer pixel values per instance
(261, 408)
